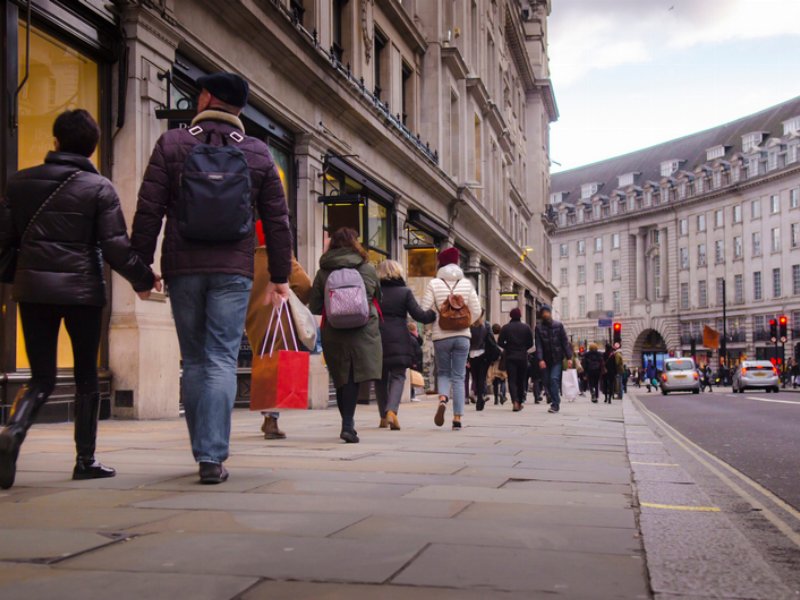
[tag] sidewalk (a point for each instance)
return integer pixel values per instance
(515, 506)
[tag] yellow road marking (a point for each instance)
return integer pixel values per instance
(699, 453)
(679, 507)
(652, 464)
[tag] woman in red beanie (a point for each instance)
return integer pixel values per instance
(451, 346)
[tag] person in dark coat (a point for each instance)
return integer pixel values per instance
(593, 365)
(611, 372)
(64, 219)
(552, 348)
(399, 347)
(535, 378)
(516, 338)
(353, 356)
(210, 281)
(483, 351)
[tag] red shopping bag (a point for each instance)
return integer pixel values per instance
(279, 379)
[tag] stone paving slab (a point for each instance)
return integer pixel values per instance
(522, 496)
(528, 515)
(26, 544)
(515, 570)
(282, 590)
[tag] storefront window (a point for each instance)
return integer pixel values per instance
(61, 78)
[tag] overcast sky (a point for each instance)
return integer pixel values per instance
(631, 73)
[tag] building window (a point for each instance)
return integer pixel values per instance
(794, 198)
(758, 292)
(657, 276)
(615, 241)
(755, 209)
(581, 307)
(565, 308)
(737, 246)
(685, 296)
(408, 95)
(598, 302)
(756, 243)
(338, 21)
(298, 11)
(564, 276)
(381, 63)
(738, 289)
(794, 234)
(598, 244)
(796, 281)
(616, 303)
(759, 326)
(775, 239)
(615, 271)
(701, 255)
(772, 160)
(683, 227)
(720, 286)
(737, 213)
(683, 253)
(701, 222)
(716, 178)
(598, 272)
(776, 283)
(719, 252)
(581, 247)
(581, 274)
(719, 218)
(563, 250)
(588, 190)
(774, 204)
(702, 293)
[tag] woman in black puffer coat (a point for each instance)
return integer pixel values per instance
(75, 224)
(399, 347)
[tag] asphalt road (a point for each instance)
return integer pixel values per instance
(757, 433)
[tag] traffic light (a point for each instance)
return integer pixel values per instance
(693, 346)
(773, 330)
(617, 335)
(783, 322)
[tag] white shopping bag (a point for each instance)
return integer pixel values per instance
(569, 385)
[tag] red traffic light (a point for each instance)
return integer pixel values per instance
(783, 320)
(772, 322)
(617, 326)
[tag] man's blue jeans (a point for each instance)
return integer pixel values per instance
(209, 312)
(552, 379)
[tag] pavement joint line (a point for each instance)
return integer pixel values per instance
(699, 453)
(407, 564)
(679, 507)
(654, 464)
(773, 401)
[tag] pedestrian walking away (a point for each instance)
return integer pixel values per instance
(516, 339)
(346, 292)
(455, 300)
(61, 220)
(611, 371)
(535, 378)
(650, 375)
(552, 347)
(594, 366)
(259, 315)
(206, 179)
(483, 351)
(497, 372)
(399, 346)
(707, 378)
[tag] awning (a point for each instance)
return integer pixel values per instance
(428, 224)
(374, 189)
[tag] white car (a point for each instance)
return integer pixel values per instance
(680, 375)
(760, 374)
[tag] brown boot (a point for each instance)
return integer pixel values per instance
(271, 430)
(384, 424)
(394, 423)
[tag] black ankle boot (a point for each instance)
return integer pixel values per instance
(89, 468)
(87, 411)
(23, 414)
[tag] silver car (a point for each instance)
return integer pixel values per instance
(680, 375)
(756, 374)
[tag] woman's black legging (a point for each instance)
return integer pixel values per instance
(346, 401)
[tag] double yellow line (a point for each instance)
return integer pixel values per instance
(726, 473)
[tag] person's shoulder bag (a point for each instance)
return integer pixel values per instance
(10, 254)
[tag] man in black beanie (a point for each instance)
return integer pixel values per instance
(552, 347)
(205, 180)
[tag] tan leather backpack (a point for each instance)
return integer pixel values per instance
(454, 314)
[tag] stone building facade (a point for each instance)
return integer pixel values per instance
(654, 236)
(421, 123)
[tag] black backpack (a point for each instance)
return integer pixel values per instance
(491, 350)
(214, 203)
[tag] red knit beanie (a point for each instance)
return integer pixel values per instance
(451, 256)
(515, 314)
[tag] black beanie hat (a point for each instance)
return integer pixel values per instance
(228, 87)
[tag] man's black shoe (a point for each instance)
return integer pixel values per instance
(9, 450)
(91, 469)
(212, 473)
(552, 410)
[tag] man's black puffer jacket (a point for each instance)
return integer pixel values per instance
(61, 259)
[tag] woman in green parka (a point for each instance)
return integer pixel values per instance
(353, 356)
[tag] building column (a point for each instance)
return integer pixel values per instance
(494, 294)
(641, 271)
(144, 356)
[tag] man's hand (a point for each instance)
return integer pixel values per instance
(542, 365)
(569, 364)
(276, 293)
(158, 286)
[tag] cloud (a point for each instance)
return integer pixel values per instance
(586, 35)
